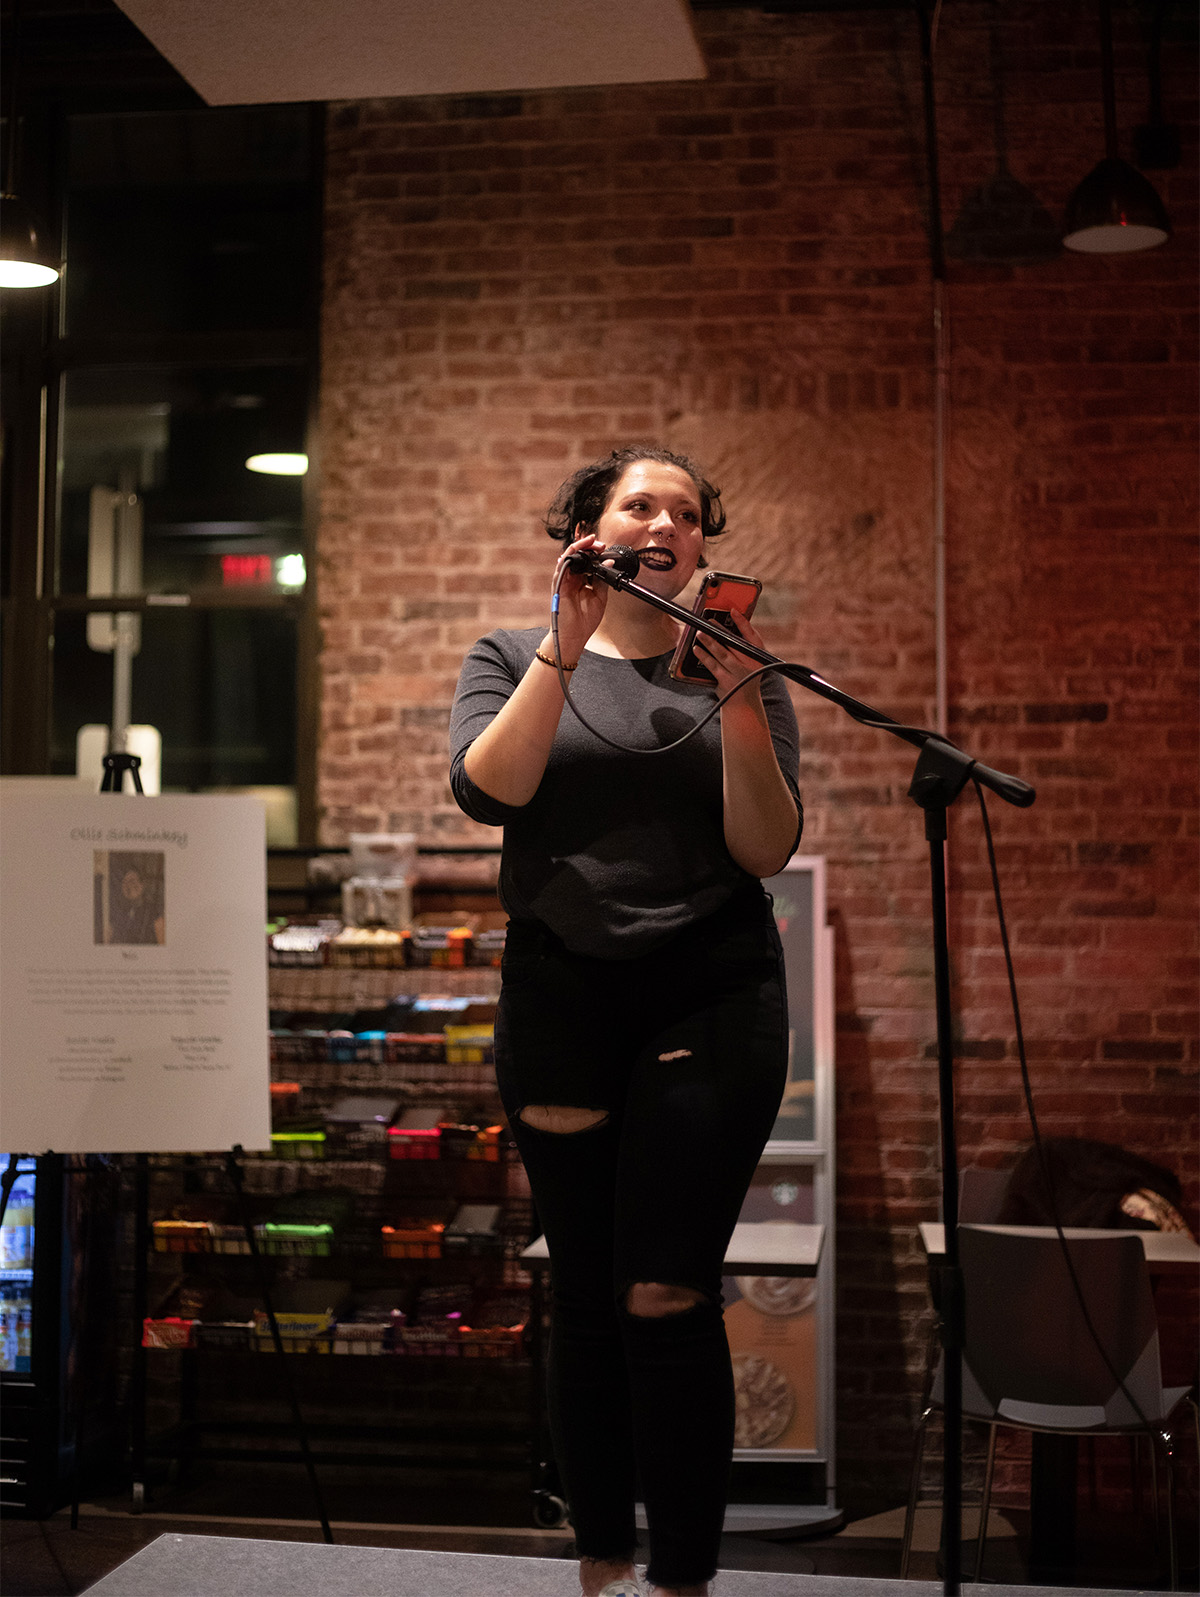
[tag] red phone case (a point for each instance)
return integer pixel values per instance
(719, 593)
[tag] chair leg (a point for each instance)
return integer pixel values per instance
(1091, 1471)
(1154, 1487)
(1172, 1553)
(914, 1487)
(985, 1506)
(1135, 1476)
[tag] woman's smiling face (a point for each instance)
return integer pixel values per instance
(656, 506)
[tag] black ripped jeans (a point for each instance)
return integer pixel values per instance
(685, 1051)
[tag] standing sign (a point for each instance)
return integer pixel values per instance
(780, 1328)
(133, 973)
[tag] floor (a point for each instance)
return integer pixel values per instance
(49, 1559)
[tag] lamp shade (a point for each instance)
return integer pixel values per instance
(1003, 221)
(279, 463)
(1114, 211)
(23, 263)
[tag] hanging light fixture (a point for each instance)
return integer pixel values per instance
(1003, 221)
(279, 463)
(23, 263)
(1115, 210)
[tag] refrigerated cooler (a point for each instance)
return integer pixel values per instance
(59, 1332)
(16, 1273)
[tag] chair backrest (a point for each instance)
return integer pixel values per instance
(981, 1194)
(1029, 1355)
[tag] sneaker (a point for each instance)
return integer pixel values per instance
(622, 1588)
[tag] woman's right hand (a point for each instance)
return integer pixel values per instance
(581, 601)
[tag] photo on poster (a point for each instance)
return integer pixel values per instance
(128, 896)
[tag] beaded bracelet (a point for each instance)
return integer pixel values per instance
(546, 660)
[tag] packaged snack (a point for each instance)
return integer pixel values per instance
(362, 1337)
(470, 1140)
(412, 1048)
(183, 1236)
(497, 1327)
(438, 946)
(292, 1238)
(169, 1332)
(301, 944)
(473, 1229)
(293, 1142)
(416, 1135)
(469, 1045)
(416, 1239)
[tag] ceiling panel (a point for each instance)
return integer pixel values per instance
(236, 52)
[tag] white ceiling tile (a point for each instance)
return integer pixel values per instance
(238, 52)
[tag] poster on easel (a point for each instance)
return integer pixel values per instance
(133, 973)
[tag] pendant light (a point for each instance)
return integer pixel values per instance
(1115, 210)
(1003, 221)
(23, 263)
(279, 463)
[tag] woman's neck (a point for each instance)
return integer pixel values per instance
(632, 630)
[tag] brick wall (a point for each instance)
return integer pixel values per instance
(738, 267)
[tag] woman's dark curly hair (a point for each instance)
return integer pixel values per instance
(583, 497)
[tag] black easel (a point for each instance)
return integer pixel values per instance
(115, 766)
(942, 771)
(233, 1169)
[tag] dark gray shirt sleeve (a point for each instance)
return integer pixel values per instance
(487, 682)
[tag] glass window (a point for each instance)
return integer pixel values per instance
(155, 492)
(189, 221)
(184, 350)
(218, 684)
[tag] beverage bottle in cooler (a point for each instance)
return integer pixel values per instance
(16, 1234)
(8, 1328)
(24, 1332)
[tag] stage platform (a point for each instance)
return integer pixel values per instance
(215, 1566)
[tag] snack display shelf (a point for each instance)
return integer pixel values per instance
(317, 987)
(343, 1220)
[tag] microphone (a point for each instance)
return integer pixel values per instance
(618, 560)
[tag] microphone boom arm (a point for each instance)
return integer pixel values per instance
(948, 765)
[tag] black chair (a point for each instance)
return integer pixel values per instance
(1030, 1361)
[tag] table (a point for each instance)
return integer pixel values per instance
(1052, 1482)
(763, 1247)
(1167, 1252)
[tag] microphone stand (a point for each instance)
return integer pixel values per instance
(942, 771)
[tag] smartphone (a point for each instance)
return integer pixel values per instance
(720, 592)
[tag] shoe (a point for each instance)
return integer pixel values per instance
(622, 1588)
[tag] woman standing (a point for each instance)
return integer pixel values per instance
(641, 1034)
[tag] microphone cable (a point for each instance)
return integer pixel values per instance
(1027, 1091)
(626, 748)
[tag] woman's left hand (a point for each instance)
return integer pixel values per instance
(728, 665)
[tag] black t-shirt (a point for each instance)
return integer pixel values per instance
(614, 852)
